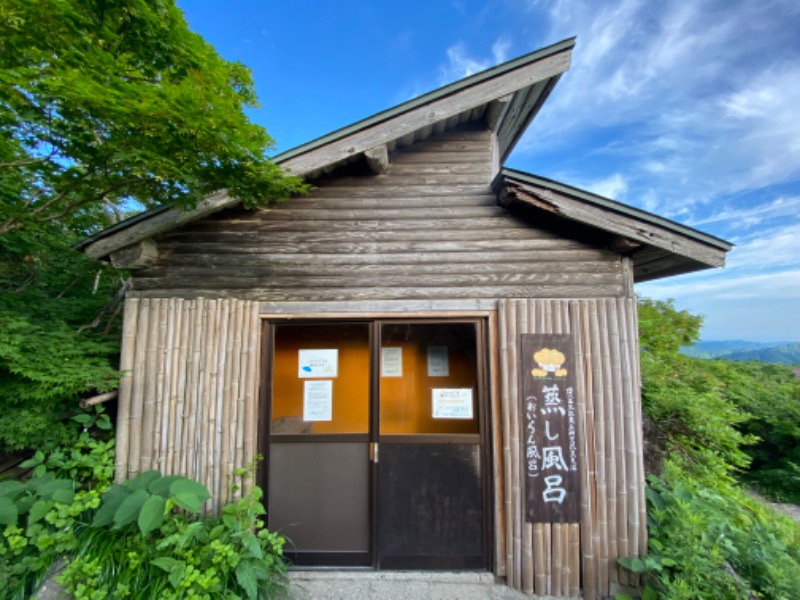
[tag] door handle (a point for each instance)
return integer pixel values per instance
(373, 452)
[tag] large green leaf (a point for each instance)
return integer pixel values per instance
(112, 499)
(128, 510)
(187, 501)
(187, 486)
(38, 510)
(176, 575)
(250, 543)
(64, 496)
(164, 563)
(143, 480)
(632, 563)
(161, 485)
(8, 511)
(246, 577)
(11, 488)
(151, 514)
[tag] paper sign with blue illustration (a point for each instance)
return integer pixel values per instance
(318, 363)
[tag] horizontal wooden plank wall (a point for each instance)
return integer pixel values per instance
(428, 229)
(188, 397)
(562, 560)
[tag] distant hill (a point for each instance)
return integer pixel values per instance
(787, 353)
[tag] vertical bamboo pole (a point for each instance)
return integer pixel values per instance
(232, 416)
(540, 548)
(253, 360)
(610, 446)
(558, 566)
(248, 327)
(585, 424)
(159, 405)
(573, 534)
(516, 467)
(632, 448)
(228, 400)
(615, 376)
(195, 314)
(575, 561)
(505, 407)
(127, 363)
(498, 463)
(217, 402)
(150, 400)
(209, 464)
(525, 318)
(633, 432)
(177, 389)
(544, 323)
(637, 382)
(602, 532)
(205, 414)
(137, 396)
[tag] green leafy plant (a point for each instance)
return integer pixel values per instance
(138, 546)
(715, 543)
(714, 424)
(143, 538)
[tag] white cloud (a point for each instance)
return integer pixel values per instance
(500, 50)
(768, 249)
(695, 103)
(753, 214)
(754, 306)
(460, 64)
(613, 186)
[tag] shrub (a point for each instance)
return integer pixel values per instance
(715, 542)
(140, 539)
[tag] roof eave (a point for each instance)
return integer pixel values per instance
(658, 246)
(538, 70)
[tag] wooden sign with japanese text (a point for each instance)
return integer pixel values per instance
(549, 421)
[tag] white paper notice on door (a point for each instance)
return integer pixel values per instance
(391, 362)
(438, 365)
(318, 363)
(452, 403)
(318, 400)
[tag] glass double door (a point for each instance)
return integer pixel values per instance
(375, 452)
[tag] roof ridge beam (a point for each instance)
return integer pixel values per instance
(438, 109)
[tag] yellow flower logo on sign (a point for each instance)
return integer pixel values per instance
(549, 362)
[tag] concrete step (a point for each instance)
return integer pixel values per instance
(402, 585)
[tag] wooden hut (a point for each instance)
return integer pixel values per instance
(436, 356)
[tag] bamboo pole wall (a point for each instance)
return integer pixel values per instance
(566, 559)
(187, 401)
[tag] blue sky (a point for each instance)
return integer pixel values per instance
(689, 109)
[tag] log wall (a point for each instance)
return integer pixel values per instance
(188, 397)
(561, 559)
(429, 229)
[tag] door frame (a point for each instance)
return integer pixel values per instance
(484, 362)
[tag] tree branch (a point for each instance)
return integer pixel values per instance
(108, 307)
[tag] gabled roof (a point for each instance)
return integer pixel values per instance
(507, 97)
(659, 247)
